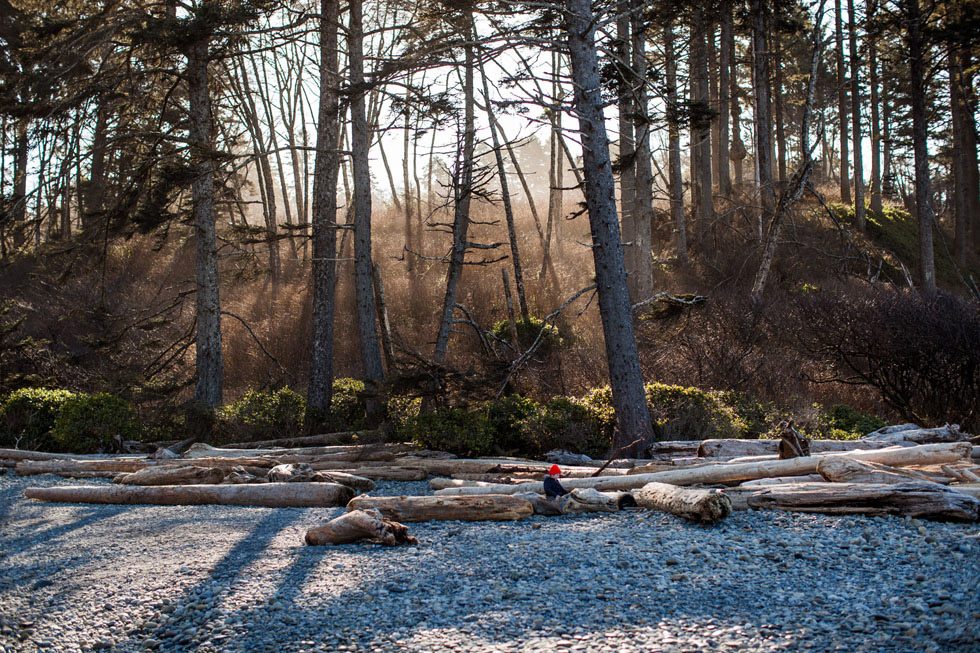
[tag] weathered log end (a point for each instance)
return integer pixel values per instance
(704, 506)
(360, 525)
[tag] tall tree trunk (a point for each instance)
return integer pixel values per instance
(957, 137)
(714, 84)
(627, 149)
(887, 171)
(779, 108)
(325, 169)
(515, 250)
(626, 378)
(700, 126)
(464, 194)
(845, 176)
(872, 11)
(917, 94)
(95, 193)
(724, 98)
(763, 123)
(361, 138)
(675, 181)
(738, 151)
(642, 286)
(859, 210)
(208, 389)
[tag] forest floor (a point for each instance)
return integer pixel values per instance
(216, 578)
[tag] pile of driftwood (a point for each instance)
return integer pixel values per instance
(904, 470)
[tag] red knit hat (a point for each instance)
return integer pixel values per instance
(555, 470)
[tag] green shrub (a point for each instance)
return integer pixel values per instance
(847, 423)
(688, 413)
(259, 415)
(508, 418)
(455, 430)
(759, 417)
(27, 416)
(92, 423)
(527, 333)
(348, 409)
(573, 425)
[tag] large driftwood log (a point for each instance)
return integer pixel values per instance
(323, 439)
(705, 506)
(905, 433)
(783, 480)
(845, 470)
(431, 508)
(729, 448)
(349, 454)
(388, 473)
(360, 525)
(732, 473)
(273, 495)
(912, 499)
(579, 501)
(26, 454)
(179, 475)
(114, 465)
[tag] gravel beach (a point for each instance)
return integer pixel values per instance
(215, 578)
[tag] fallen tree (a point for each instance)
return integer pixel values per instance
(906, 433)
(705, 506)
(360, 525)
(737, 472)
(580, 500)
(912, 499)
(273, 495)
(846, 470)
(432, 508)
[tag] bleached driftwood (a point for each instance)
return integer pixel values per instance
(579, 501)
(905, 433)
(912, 499)
(360, 525)
(323, 439)
(431, 508)
(730, 448)
(731, 473)
(705, 506)
(845, 470)
(177, 475)
(273, 495)
(783, 480)
(388, 473)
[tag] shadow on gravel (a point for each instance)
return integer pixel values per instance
(87, 517)
(188, 613)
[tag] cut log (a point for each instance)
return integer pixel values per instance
(34, 467)
(844, 470)
(705, 506)
(26, 454)
(273, 495)
(729, 448)
(912, 499)
(183, 475)
(431, 508)
(360, 525)
(324, 439)
(353, 481)
(731, 473)
(905, 433)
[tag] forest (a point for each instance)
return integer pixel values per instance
(486, 227)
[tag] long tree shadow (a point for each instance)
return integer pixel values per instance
(193, 610)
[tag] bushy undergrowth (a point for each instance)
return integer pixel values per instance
(95, 423)
(258, 415)
(28, 415)
(528, 331)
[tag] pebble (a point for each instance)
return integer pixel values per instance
(222, 578)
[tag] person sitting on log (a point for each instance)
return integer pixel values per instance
(552, 487)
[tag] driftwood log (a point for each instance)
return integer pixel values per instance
(845, 470)
(729, 448)
(323, 439)
(431, 508)
(705, 506)
(388, 473)
(912, 499)
(347, 453)
(177, 475)
(273, 495)
(905, 433)
(360, 525)
(580, 500)
(733, 473)
(783, 480)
